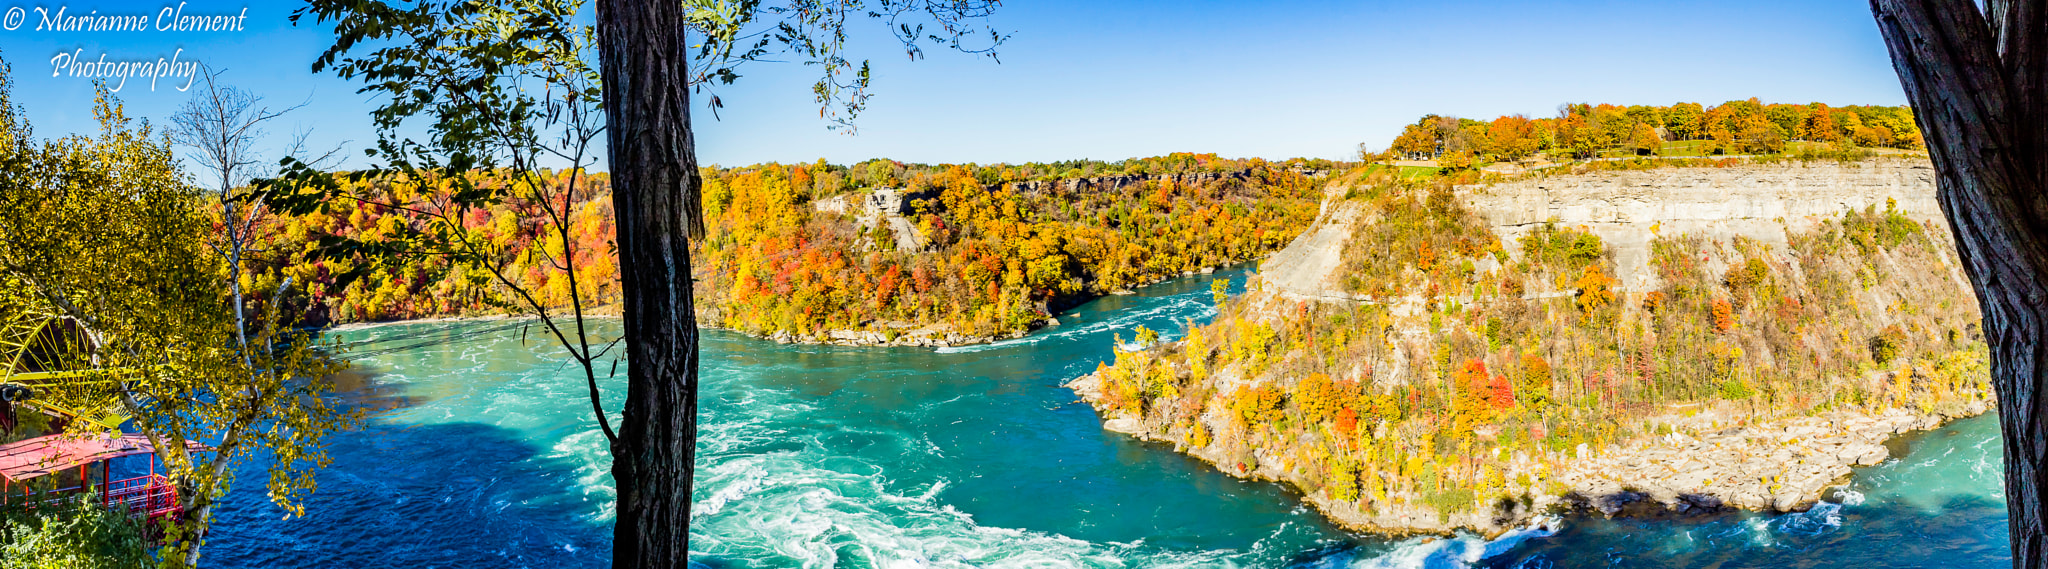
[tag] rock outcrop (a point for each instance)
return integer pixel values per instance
(1715, 450)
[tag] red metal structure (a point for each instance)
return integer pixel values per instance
(152, 496)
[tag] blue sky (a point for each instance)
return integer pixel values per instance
(1112, 80)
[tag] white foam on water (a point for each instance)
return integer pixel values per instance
(1851, 497)
(1185, 305)
(747, 475)
(1759, 530)
(773, 494)
(789, 514)
(1456, 552)
(1822, 518)
(802, 503)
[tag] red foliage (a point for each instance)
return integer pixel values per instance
(1347, 421)
(1500, 395)
(922, 277)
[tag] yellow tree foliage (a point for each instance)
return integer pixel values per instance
(1596, 289)
(1258, 406)
(1318, 398)
(155, 324)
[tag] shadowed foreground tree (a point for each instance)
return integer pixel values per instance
(1978, 79)
(645, 64)
(655, 201)
(463, 65)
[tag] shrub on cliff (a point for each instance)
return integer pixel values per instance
(1887, 344)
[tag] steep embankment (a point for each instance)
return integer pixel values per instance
(1684, 339)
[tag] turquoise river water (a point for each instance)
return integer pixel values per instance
(483, 454)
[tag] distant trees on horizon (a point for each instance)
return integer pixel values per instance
(1584, 130)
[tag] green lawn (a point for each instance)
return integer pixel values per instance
(1683, 148)
(1409, 172)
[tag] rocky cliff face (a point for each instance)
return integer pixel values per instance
(1629, 209)
(1670, 340)
(1766, 203)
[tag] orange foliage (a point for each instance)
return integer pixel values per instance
(1256, 406)
(1473, 403)
(1745, 126)
(1347, 422)
(1724, 316)
(513, 234)
(989, 249)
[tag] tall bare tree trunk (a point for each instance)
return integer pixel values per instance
(1978, 82)
(643, 60)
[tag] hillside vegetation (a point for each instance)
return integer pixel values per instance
(1465, 374)
(991, 257)
(794, 252)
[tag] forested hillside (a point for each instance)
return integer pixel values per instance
(974, 254)
(960, 253)
(388, 281)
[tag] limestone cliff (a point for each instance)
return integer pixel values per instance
(1627, 209)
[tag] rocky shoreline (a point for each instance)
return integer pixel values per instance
(1709, 462)
(940, 335)
(932, 336)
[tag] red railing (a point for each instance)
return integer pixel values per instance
(150, 496)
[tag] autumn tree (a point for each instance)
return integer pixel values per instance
(1257, 407)
(1513, 137)
(1534, 374)
(1500, 395)
(1595, 289)
(1645, 140)
(1318, 398)
(161, 348)
(1723, 314)
(1473, 400)
(1416, 141)
(1684, 120)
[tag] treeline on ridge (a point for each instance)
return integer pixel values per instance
(1582, 131)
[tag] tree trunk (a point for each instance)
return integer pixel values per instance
(654, 195)
(1977, 87)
